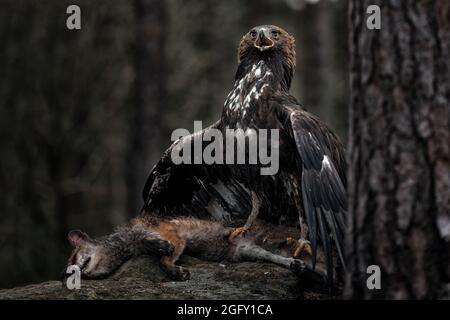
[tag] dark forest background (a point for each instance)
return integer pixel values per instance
(84, 115)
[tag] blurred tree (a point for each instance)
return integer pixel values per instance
(63, 103)
(321, 79)
(150, 96)
(399, 177)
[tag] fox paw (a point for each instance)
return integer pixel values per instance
(180, 274)
(298, 267)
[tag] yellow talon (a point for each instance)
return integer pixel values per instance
(299, 246)
(237, 232)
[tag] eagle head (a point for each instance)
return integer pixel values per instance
(270, 43)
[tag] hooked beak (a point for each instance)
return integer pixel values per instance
(263, 42)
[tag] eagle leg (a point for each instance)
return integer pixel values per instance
(297, 247)
(251, 218)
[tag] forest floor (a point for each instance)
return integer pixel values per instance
(141, 278)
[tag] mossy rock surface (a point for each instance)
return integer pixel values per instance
(141, 278)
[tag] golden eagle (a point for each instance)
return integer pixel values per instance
(309, 189)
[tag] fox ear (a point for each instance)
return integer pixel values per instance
(77, 237)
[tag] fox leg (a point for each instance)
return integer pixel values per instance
(251, 252)
(152, 243)
(157, 246)
(167, 263)
(251, 218)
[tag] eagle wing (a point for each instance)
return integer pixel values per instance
(323, 182)
(197, 190)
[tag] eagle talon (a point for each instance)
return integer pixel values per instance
(298, 246)
(237, 232)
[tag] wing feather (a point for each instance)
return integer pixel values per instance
(323, 183)
(189, 189)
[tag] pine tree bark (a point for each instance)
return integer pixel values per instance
(147, 131)
(399, 150)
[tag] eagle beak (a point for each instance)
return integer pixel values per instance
(263, 42)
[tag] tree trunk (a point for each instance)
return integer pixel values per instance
(399, 152)
(146, 135)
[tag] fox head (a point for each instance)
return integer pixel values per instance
(91, 256)
(98, 258)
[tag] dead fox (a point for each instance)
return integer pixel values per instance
(171, 237)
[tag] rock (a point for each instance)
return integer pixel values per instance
(141, 278)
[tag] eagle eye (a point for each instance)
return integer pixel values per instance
(253, 34)
(275, 34)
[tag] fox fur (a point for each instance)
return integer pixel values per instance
(171, 237)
